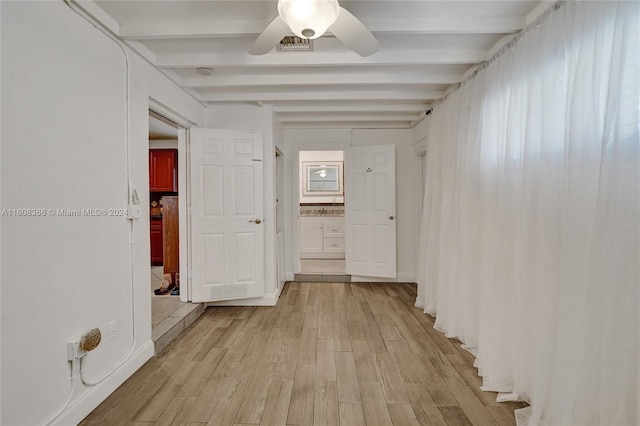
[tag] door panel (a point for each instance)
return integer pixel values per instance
(244, 200)
(214, 251)
(370, 205)
(227, 247)
(212, 185)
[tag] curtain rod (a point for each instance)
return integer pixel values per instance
(510, 45)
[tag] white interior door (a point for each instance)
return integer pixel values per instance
(370, 211)
(226, 198)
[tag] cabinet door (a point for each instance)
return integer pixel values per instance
(156, 242)
(310, 236)
(163, 173)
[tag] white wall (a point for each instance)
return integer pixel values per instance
(419, 132)
(163, 144)
(285, 199)
(64, 146)
(408, 183)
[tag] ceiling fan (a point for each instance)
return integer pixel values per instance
(310, 19)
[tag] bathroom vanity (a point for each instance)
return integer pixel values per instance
(322, 232)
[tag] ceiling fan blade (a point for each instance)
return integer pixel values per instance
(349, 30)
(270, 36)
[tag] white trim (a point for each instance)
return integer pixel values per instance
(268, 300)
(420, 147)
(84, 405)
(402, 278)
(184, 231)
(170, 114)
(322, 255)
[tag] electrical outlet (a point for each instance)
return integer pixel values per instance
(73, 351)
(134, 211)
(112, 329)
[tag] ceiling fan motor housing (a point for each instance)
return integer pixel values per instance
(309, 18)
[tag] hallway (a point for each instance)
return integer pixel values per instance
(328, 353)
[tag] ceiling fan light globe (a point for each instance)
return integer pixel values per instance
(308, 32)
(309, 18)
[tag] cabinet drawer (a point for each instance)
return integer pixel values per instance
(332, 245)
(333, 228)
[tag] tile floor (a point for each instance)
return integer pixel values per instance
(322, 270)
(169, 316)
(164, 305)
(322, 266)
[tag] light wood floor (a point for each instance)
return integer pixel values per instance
(327, 354)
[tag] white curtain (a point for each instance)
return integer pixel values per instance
(530, 244)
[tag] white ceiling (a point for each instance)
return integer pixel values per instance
(161, 129)
(425, 47)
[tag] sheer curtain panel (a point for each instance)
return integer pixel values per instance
(530, 244)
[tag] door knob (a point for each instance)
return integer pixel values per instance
(391, 217)
(256, 221)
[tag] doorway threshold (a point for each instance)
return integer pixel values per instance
(322, 271)
(169, 328)
(322, 278)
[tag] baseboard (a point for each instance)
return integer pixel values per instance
(94, 396)
(401, 278)
(404, 277)
(268, 300)
(322, 255)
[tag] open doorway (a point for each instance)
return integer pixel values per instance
(164, 229)
(321, 213)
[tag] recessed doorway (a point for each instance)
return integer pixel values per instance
(321, 214)
(166, 231)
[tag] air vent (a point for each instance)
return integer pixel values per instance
(293, 43)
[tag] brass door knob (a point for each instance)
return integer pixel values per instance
(256, 221)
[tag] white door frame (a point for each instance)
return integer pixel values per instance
(183, 217)
(293, 251)
(295, 190)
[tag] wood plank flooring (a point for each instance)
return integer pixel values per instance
(327, 354)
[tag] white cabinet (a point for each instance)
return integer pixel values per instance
(322, 237)
(333, 227)
(310, 235)
(333, 245)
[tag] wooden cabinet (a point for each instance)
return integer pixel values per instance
(163, 170)
(156, 242)
(170, 236)
(322, 237)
